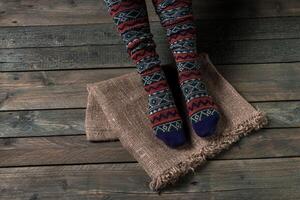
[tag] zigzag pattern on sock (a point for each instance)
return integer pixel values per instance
(199, 104)
(166, 116)
(131, 19)
(177, 18)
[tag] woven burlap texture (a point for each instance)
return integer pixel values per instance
(117, 109)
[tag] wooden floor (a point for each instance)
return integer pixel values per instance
(50, 50)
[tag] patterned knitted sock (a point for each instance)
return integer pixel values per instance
(131, 19)
(177, 18)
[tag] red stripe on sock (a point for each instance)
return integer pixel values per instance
(138, 41)
(183, 57)
(142, 54)
(126, 5)
(186, 34)
(164, 116)
(178, 4)
(136, 23)
(181, 2)
(153, 69)
(200, 103)
(185, 19)
(189, 74)
(157, 86)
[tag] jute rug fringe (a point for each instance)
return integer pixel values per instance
(172, 175)
(117, 109)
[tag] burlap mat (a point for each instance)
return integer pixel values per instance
(117, 109)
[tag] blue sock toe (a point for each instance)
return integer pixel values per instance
(207, 126)
(173, 138)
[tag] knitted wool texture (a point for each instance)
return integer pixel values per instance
(176, 17)
(133, 25)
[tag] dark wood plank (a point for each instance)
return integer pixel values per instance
(34, 151)
(57, 12)
(260, 194)
(236, 179)
(43, 12)
(59, 150)
(287, 116)
(256, 82)
(42, 123)
(221, 52)
(57, 89)
(67, 89)
(64, 58)
(71, 121)
(266, 143)
(105, 34)
(256, 51)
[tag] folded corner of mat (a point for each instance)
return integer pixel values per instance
(97, 127)
(117, 109)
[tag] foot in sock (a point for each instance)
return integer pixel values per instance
(162, 112)
(201, 108)
(133, 26)
(177, 18)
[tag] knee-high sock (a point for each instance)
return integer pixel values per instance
(132, 22)
(176, 17)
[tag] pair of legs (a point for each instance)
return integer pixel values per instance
(131, 19)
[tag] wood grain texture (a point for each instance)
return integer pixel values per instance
(71, 121)
(261, 194)
(59, 150)
(90, 56)
(35, 151)
(236, 179)
(44, 153)
(287, 116)
(67, 89)
(42, 123)
(41, 90)
(58, 12)
(105, 34)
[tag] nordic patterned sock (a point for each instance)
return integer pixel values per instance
(132, 22)
(177, 18)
